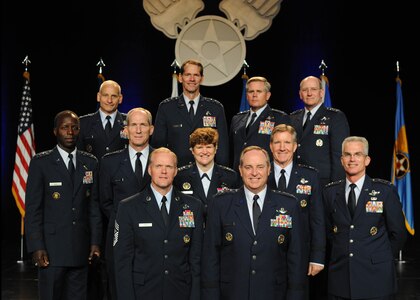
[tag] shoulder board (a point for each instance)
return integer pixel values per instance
(87, 154)
(87, 115)
(333, 109)
(226, 168)
(186, 167)
(334, 183)
(225, 192)
(278, 111)
(113, 153)
(42, 154)
(308, 167)
(243, 112)
(284, 194)
(168, 100)
(297, 111)
(382, 181)
(212, 100)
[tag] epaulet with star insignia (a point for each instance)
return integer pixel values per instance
(242, 112)
(225, 191)
(382, 181)
(87, 154)
(167, 100)
(334, 183)
(333, 109)
(278, 111)
(308, 167)
(212, 101)
(87, 115)
(42, 154)
(285, 194)
(297, 111)
(113, 152)
(186, 167)
(226, 168)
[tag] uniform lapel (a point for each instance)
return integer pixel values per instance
(61, 167)
(176, 209)
(153, 209)
(197, 183)
(363, 197)
(183, 110)
(215, 182)
(127, 168)
(340, 200)
(242, 212)
(266, 213)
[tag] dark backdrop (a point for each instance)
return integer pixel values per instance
(360, 42)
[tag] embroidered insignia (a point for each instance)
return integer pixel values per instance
(303, 181)
(116, 232)
(374, 193)
(281, 210)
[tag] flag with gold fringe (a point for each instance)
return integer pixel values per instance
(401, 169)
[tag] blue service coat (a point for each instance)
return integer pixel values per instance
(238, 264)
(363, 248)
(173, 127)
(152, 261)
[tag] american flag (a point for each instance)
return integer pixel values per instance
(25, 148)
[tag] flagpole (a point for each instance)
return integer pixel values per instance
(22, 230)
(400, 254)
(25, 62)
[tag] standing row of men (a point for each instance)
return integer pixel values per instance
(246, 230)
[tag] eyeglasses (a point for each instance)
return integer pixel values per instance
(357, 155)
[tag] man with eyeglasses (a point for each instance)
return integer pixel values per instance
(320, 133)
(178, 117)
(365, 227)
